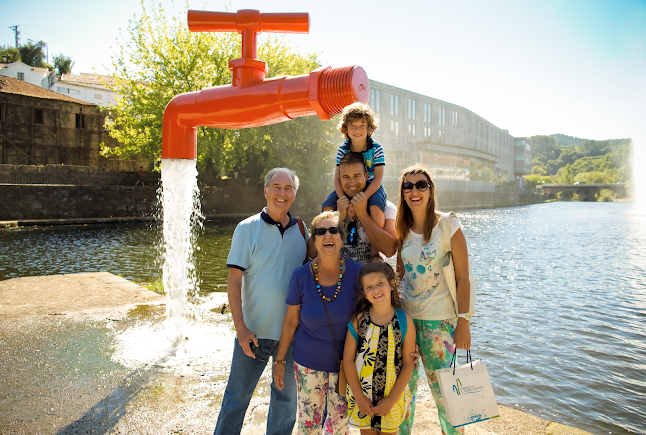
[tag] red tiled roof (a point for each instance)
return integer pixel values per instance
(10, 85)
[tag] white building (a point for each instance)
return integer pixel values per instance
(462, 150)
(42, 77)
(86, 87)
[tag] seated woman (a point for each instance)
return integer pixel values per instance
(321, 301)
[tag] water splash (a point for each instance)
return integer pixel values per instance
(182, 218)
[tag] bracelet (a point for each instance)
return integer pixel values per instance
(465, 316)
(280, 361)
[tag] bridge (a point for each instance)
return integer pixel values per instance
(586, 192)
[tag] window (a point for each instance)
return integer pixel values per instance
(454, 118)
(411, 108)
(38, 116)
(441, 116)
(98, 97)
(413, 132)
(80, 120)
(20, 76)
(68, 91)
(374, 99)
(396, 128)
(392, 104)
(377, 106)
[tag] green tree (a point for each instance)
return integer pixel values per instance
(538, 170)
(63, 64)
(32, 54)
(9, 54)
(159, 59)
(535, 179)
(593, 148)
(593, 177)
(566, 175)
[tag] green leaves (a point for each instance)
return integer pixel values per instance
(159, 58)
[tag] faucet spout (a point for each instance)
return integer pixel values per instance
(323, 92)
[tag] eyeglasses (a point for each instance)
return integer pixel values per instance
(321, 231)
(352, 233)
(421, 186)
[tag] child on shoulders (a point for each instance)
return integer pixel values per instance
(357, 125)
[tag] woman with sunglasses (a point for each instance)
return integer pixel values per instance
(321, 301)
(424, 293)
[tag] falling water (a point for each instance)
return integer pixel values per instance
(181, 216)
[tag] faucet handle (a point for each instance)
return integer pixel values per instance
(248, 19)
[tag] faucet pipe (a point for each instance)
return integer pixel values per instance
(251, 100)
(323, 92)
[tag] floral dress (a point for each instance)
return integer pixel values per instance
(378, 363)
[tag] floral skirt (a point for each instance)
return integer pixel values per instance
(314, 388)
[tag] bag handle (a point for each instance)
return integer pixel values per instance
(454, 360)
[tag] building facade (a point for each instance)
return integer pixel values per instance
(42, 77)
(452, 142)
(86, 87)
(39, 127)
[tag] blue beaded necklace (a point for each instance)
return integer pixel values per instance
(318, 286)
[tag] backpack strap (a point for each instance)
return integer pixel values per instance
(401, 318)
(301, 226)
(353, 333)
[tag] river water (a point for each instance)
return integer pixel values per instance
(561, 312)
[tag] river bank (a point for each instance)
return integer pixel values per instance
(85, 353)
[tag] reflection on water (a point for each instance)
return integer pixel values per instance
(561, 303)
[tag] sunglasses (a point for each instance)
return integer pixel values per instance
(352, 233)
(421, 186)
(321, 231)
(260, 354)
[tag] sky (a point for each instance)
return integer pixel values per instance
(532, 67)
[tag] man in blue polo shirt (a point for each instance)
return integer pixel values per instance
(265, 250)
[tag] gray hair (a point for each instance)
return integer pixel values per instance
(291, 174)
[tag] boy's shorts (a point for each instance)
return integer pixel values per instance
(378, 199)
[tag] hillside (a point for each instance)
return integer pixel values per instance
(559, 158)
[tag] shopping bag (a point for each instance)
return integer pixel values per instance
(467, 393)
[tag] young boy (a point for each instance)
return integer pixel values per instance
(357, 125)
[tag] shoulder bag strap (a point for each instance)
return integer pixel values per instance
(331, 328)
(445, 229)
(301, 226)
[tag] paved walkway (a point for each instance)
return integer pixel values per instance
(59, 373)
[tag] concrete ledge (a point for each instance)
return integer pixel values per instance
(73, 221)
(60, 294)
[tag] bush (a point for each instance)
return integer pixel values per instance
(605, 195)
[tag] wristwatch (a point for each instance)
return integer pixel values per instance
(465, 316)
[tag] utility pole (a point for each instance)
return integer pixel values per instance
(17, 33)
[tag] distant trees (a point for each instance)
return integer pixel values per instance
(9, 54)
(33, 54)
(607, 160)
(63, 64)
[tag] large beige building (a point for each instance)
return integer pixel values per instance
(463, 150)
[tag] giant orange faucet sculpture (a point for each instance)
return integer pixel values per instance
(251, 100)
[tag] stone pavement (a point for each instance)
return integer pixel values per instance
(60, 372)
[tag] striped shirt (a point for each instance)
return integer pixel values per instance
(372, 157)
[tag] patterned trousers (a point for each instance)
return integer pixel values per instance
(435, 341)
(314, 387)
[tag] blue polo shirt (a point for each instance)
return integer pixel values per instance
(313, 343)
(268, 254)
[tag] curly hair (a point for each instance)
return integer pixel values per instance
(387, 271)
(404, 220)
(357, 111)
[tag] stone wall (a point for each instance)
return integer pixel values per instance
(68, 174)
(43, 201)
(40, 131)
